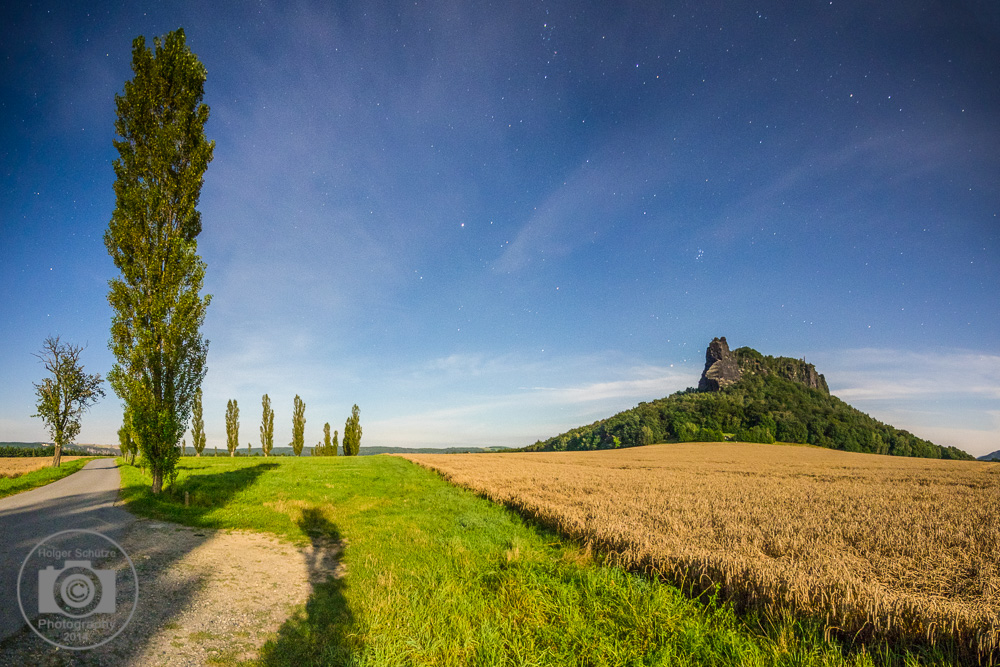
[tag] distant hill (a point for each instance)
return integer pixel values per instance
(746, 396)
(995, 456)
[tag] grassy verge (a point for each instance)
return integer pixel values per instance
(439, 576)
(35, 478)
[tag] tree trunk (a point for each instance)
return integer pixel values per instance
(157, 481)
(57, 456)
(232, 452)
(198, 454)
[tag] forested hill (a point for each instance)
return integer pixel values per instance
(748, 397)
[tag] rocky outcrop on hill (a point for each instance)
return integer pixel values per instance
(721, 367)
(724, 368)
(752, 362)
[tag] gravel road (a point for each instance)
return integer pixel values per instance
(204, 596)
(87, 499)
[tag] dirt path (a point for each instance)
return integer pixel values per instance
(203, 595)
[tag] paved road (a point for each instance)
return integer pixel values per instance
(87, 499)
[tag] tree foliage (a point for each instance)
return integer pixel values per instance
(232, 426)
(298, 425)
(63, 397)
(758, 408)
(198, 440)
(329, 445)
(352, 433)
(266, 425)
(152, 238)
(126, 444)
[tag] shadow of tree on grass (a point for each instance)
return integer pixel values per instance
(326, 631)
(205, 493)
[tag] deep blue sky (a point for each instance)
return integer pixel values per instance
(488, 223)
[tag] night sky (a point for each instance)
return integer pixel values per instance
(488, 223)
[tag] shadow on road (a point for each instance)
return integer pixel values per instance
(327, 631)
(165, 591)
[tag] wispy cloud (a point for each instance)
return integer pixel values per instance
(649, 382)
(602, 188)
(517, 415)
(885, 374)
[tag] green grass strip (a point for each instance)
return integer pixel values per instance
(438, 576)
(30, 480)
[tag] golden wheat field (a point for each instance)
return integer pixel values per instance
(16, 466)
(876, 546)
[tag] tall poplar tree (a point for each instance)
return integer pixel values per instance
(152, 238)
(352, 433)
(298, 426)
(266, 425)
(232, 426)
(198, 440)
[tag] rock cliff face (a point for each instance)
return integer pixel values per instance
(724, 367)
(721, 367)
(808, 376)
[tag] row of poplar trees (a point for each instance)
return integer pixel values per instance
(156, 301)
(158, 308)
(328, 447)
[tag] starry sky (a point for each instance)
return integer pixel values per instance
(486, 223)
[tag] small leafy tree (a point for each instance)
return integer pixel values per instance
(352, 433)
(298, 425)
(184, 447)
(63, 398)
(232, 426)
(198, 425)
(267, 426)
